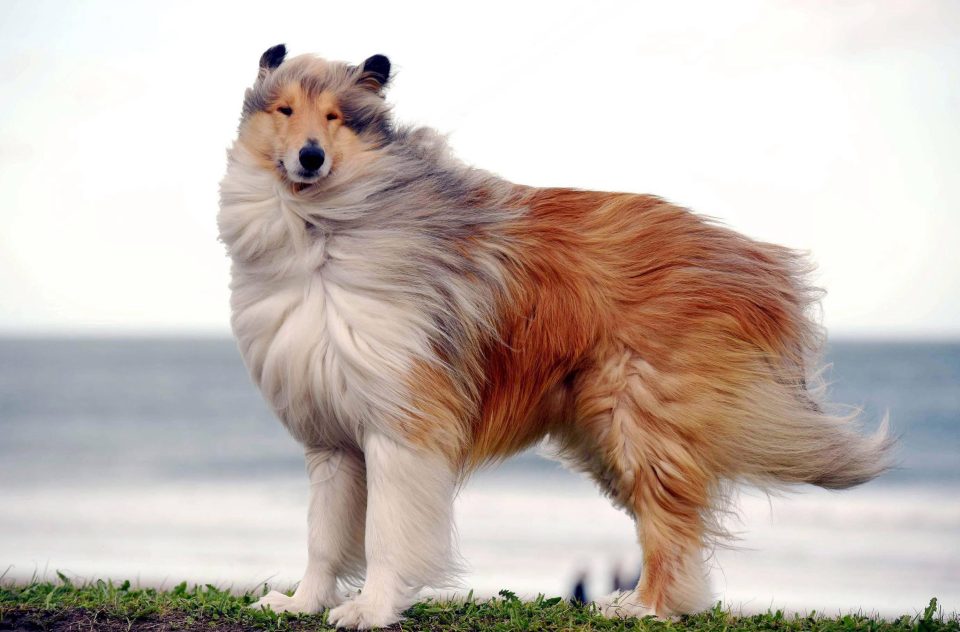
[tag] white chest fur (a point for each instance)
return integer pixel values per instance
(322, 322)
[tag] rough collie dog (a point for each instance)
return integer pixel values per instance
(410, 318)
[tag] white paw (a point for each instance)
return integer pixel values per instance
(363, 614)
(279, 602)
(621, 605)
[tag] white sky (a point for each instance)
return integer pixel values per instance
(831, 127)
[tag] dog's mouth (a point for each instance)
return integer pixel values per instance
(300, 180)
(299, 187)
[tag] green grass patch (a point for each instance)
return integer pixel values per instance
(107, 606)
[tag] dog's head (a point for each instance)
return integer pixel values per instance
(305, 118)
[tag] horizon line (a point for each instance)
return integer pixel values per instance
(97, 333)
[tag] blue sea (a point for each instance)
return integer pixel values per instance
(156, 460)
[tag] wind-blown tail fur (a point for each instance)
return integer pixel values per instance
(788, 442)
(790, 433)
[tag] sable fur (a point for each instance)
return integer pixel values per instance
(419, 318)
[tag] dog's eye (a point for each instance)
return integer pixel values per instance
(286, 111)
(333, 116)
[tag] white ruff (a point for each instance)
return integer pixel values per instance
(318, 326)
(338, 293)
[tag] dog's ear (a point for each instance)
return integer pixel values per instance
(271, 58)
(375, 73)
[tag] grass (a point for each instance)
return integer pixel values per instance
(108, 607)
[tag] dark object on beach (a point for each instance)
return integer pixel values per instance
(580, 590)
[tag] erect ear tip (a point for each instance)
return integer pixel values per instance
(377, 60)
(378, 65)
(273, 56)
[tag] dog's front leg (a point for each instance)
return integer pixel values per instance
(409, 529)
(335, 525)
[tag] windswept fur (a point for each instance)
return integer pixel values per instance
(420, 318)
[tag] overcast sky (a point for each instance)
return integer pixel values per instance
(830, 127)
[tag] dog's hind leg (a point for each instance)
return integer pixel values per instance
(652, 469)
(674, 579)
(409, 531)
(335, 535)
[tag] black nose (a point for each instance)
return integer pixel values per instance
(311, 157)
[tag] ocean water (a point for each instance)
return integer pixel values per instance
(156, 460)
